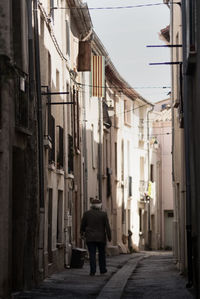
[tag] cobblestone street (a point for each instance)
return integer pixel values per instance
(142, 275)
(156, 277)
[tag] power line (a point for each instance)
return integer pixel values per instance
(115, 7)
(138, 87)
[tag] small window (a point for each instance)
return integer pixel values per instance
(170, 214)
(116, 159)
(51, 134)
(67, 38)
(130, 186)
(70, 154)
(52, 9)
(93, 148)
(127, 112)
(57, 80)
(60, 217)
(60, 145)
(152, 173)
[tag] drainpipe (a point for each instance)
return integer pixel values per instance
(149, 201)
(40, 138)
(187, 157)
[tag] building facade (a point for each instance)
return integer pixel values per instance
(21, 171)
(184, 35)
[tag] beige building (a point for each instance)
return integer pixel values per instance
(178, 155)
(63, 100)
(162, 210)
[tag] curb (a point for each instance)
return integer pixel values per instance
(115, 286)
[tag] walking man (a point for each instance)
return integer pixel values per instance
(95, 228)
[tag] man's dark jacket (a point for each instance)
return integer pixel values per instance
(95, 226)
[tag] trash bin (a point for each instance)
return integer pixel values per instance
(78, 256)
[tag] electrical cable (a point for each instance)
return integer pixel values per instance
(115, 7)
(142, 87)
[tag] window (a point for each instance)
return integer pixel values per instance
(127, 112)
(50, 210)
(20, 34)
(69, 108)
(141, 168)
(140, 220)
(42, 28)
(51, 134)
(122, 160)
(67, 38)
(93, 148)
(57, 80)
(76, 119)
(190, 21)
(116, 159)
(152, 173)
(60, 217)
(52, 10)
(130, 186)
(49, 71)
(21, 102)
(70, 154)
(108, 173)
(60, 148)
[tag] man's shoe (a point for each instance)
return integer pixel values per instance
(103, 272)
(92, 274)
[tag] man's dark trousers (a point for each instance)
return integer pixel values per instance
(92, 246)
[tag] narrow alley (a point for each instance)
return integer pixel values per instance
(99, 149)
(147, 274)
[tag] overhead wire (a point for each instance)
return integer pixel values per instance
(115, 7)
(128, 87)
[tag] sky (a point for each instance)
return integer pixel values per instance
(125, 33)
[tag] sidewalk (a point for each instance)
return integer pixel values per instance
(76, 283)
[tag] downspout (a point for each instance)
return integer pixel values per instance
(40, 138)
(149, 203)
(187, 158)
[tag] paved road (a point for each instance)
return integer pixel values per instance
(141, 275)
(156, 278)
